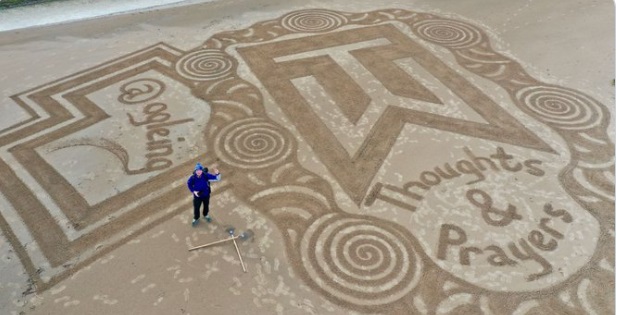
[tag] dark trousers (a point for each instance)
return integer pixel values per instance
(197, 201)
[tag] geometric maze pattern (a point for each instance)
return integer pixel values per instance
(62, 109)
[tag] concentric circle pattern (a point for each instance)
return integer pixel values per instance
(560, 107)
(205, 65)
(253, 143)
(360, 261)
(449, 33)
(313, 21)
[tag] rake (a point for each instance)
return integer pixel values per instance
(232, 237)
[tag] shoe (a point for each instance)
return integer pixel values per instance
(195, 222)
(208, 218)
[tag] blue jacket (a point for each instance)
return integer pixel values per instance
(202, 184)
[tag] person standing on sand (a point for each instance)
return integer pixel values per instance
(199, 185)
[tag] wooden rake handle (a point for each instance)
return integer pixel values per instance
(213, 243)
(240, 256)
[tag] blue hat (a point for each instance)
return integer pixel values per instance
(199, 167)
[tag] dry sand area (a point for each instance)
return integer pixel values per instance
(412, 157)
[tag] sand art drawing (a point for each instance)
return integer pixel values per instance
(516, 213)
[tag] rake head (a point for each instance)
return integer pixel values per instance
(230, 230)
(246, 235)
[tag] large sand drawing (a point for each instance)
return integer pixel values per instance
(501, 185)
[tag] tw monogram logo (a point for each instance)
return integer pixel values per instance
(277, 64)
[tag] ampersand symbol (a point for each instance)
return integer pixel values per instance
(484, 201)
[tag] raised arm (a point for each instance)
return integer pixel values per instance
(215, 177)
